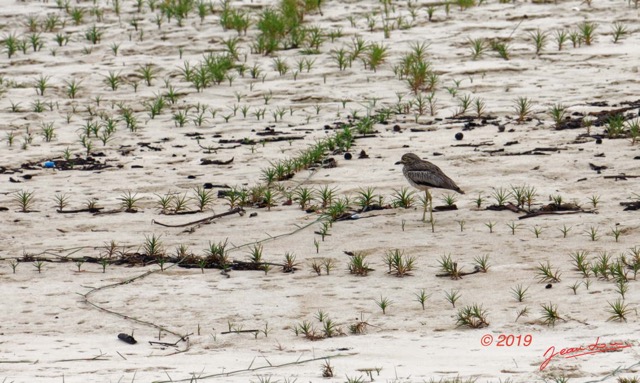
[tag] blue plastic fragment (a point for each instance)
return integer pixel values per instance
(49, 164)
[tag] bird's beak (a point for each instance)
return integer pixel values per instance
(399, 163)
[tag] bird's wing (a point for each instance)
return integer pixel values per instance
(432, 179)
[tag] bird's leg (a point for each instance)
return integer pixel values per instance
(430, 199)
(426, 203)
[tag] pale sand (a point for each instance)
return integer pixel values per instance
(48, 333)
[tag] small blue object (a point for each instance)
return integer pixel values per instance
(49, 164)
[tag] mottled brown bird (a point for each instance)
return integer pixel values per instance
(424, 175)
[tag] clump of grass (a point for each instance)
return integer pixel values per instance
(304, 196)
(216, 255)
(558, 112)
(129, 201)
(328, 264)
(523, 108)
(24, 199)
(478, 47)
(366, 198)
(500, 194)
(473, 316)
(203, 197)
(399, 264)
(579, 258)
(587, 30)
(289, 264)
(449, 267)
(255, 255)
(619, 310)
(403, 198)
(358, 265)
(501, 48)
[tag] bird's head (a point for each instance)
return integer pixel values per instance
(408, 158)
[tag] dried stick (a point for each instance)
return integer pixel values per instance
(203, 220)
(255, 368)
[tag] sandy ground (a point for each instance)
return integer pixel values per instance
(61, 324)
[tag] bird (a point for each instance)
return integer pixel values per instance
(424, 175)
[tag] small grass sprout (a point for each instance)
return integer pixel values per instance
(38, 265)
(547, 274)
(550, 314)
(129, 201)
(586, 30)
(619, 310)
(384, 304)
(536, 230)
(519, 292)
(558, 113)
(616, 232)
(482, 262)
(523, 107)
(490, 225)
(153, 247)
(560, 36)
(289, 264)
(618, 31)
(592, 232)
(328, 264)
(539, 39)
(522, 313)
(421, 297)
(565, 230)
(513, 226)
(24, 199)
(478, 47)
(452, 297)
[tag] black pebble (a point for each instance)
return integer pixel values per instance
(347, 156)
(396, 128)
(548, 286)
(208, 185)
(191, 177)
(253, 215)
(598, 141)
(459, 136)
(127, 338)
